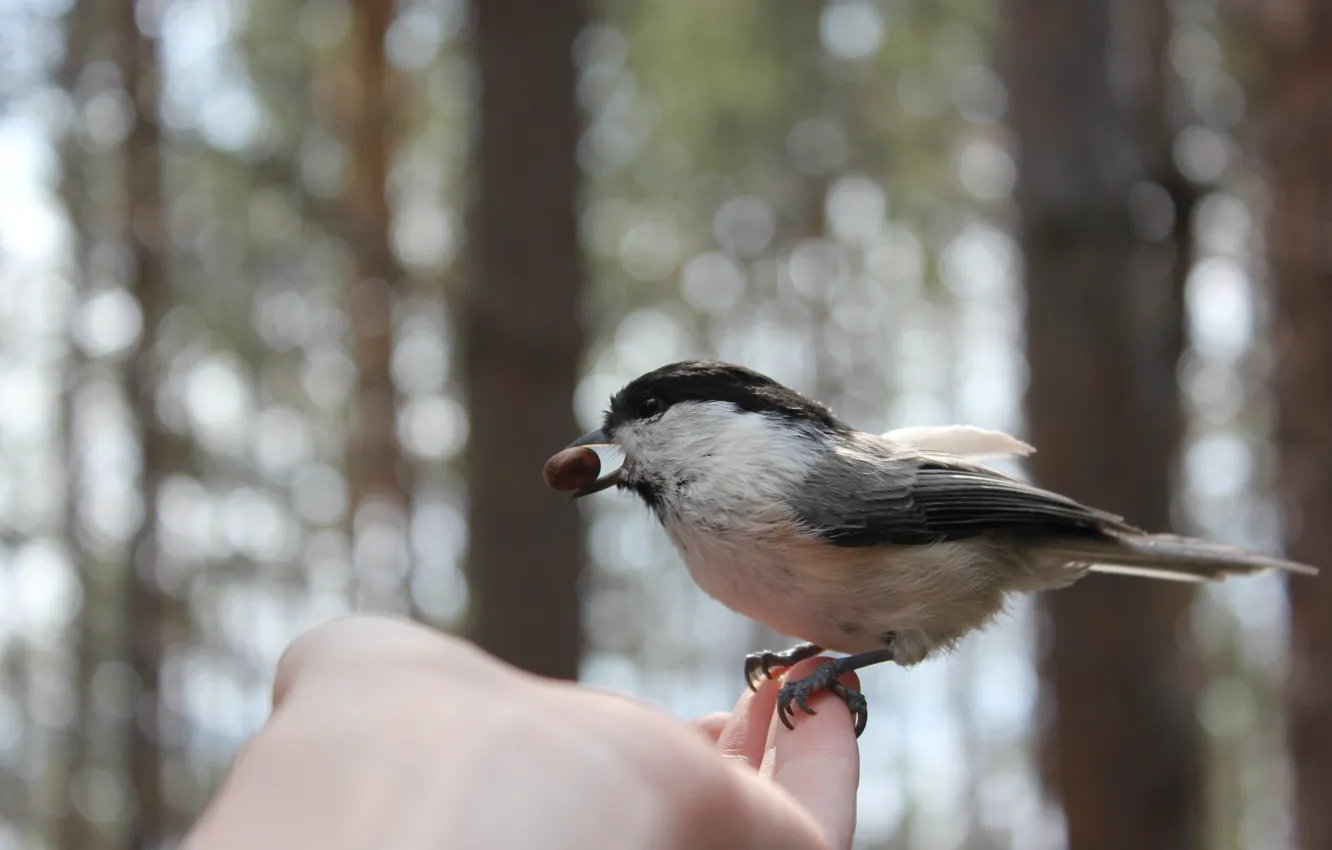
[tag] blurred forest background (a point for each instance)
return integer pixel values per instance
(297, 296)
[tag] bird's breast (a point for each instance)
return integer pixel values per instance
(764, 575)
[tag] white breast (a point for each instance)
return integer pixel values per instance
(847, 600)
(768, 583)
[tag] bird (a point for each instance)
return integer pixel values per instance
(881, 547)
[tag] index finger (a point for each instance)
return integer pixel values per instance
(352, 649)
(819, 762)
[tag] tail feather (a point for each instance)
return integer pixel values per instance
(1172, 557)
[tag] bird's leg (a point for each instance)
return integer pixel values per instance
(825, 676)
(758, 665)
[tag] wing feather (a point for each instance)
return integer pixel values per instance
(923, 498)
(961, 440)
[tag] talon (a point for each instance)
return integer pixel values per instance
(753, 665)
(804, 706)
(760, 665)
(855, 702)
(795, 695)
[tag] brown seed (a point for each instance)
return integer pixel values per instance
(572, 469)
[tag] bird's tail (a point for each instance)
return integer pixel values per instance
(1170, 556)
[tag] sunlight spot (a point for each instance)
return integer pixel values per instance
(650, 249)
(217, 399)
(1202, 154)
(649, 338)
(1218, 465)
(984, 169)
(1220, 309)
(856, 206)
(281, 439)
(424, 236)
(319, 493)
(418, 363)
(433, 427)
(45, 590)
(851, 29)
(744, 225)
(328, 377)
(898, 259)
(712, 282)
(108, 323)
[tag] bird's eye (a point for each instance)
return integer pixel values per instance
(649, 406)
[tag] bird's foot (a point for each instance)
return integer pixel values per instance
(759, 665)
(824, 678)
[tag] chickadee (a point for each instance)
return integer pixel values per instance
(884, 547)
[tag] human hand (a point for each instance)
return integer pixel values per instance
(387, 735)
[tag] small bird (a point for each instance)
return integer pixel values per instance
(884, 547)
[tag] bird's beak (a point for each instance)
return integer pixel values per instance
(610, 479)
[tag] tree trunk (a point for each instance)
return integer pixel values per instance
(73, 829)
(1298, 127)
(146, 605)
(379, 476)
(523, 336)
(1104, 335)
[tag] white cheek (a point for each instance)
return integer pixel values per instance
(762, 462)
(633, 441)
(731, 459)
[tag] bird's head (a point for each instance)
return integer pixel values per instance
(700, 420)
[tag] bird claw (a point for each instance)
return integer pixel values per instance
(795, 695)
(759, 665)
(855, 703)
(799, 691)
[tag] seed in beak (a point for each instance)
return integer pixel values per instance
(572, 469)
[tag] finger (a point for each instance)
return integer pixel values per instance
(362, 646)
(746, 733)
(711, 725)
(819, 762)
(762, 816)
(310, 651)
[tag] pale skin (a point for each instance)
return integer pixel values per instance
(387, 735)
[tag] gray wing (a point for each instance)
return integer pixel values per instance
(886, 497)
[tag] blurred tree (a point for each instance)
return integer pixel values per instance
(147, 606)
(1103, 227)
(1296, 105)
(816, 188)
(523, 335)
(73, 828)
(379, 476)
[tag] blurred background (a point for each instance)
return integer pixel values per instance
(297, 296)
